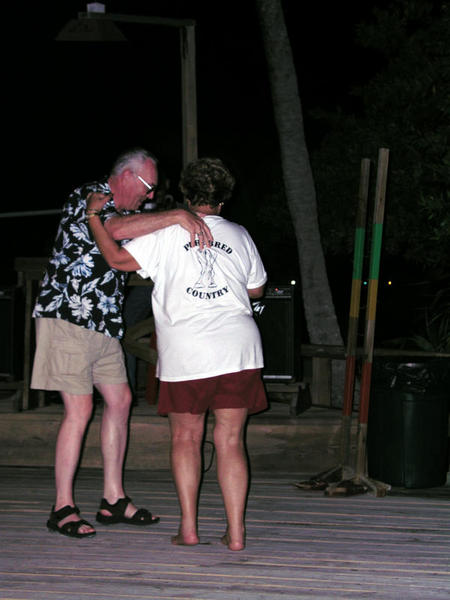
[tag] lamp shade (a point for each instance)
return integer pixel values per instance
(90, 30)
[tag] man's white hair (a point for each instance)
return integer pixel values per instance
(132, 159)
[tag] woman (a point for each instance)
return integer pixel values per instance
(209, 348)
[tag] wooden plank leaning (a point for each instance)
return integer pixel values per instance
(359, 482)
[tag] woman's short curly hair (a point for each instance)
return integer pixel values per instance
(206, 181)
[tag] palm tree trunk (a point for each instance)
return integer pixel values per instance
(320, 314)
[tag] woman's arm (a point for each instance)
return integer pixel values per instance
(116, 256)
(131, 226)
(256, 292)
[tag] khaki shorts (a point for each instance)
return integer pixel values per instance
(72, 359)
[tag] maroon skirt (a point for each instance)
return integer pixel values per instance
(243, 389)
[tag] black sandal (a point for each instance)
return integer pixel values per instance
(71, 528)
(141, 517)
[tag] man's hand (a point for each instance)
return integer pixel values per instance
(96, 201)
(196, 226)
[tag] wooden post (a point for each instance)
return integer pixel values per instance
(188, 93)
(188, 73)
(377, 231)
(355, 301)
(344, 471)
(27, 344)
(359, 482)
(321, 381)
(29, 270)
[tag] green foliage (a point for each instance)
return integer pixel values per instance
(406, 108)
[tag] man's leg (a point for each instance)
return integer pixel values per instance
(232, 471)
(114, 438)
(77, 412)
(186, 439)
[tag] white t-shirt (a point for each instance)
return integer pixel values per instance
(203, 316)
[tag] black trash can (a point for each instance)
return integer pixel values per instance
(407, 442)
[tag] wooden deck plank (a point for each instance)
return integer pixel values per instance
(299, 544)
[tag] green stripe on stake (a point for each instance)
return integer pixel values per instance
(377, 232)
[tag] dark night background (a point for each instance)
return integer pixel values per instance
(73, 106)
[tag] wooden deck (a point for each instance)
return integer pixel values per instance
(299, 544)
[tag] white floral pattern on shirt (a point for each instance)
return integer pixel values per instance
(78, 285)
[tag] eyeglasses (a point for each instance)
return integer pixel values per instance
(151, 186)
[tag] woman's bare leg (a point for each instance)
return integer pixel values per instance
(186, 439)
(232, 471)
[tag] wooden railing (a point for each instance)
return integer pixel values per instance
(31, 270)
(322, 355)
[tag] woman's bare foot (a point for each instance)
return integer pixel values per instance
(185, 539)
(235, 545)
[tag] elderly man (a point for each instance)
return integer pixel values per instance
(209, 347)
(78, 328)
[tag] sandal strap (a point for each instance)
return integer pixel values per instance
(118, 508)
(65, 511)
(74, 526)
(142, 514)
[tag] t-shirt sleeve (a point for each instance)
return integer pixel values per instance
(257, 275)
(145, 250)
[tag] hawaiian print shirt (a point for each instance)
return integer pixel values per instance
(78, 285)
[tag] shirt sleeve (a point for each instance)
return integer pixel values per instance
(145, 250)
(257, 275)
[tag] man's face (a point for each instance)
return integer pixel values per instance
(136, 185)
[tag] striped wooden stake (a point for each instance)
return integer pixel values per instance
(377, 233)
(350, 482)
(355, 301)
